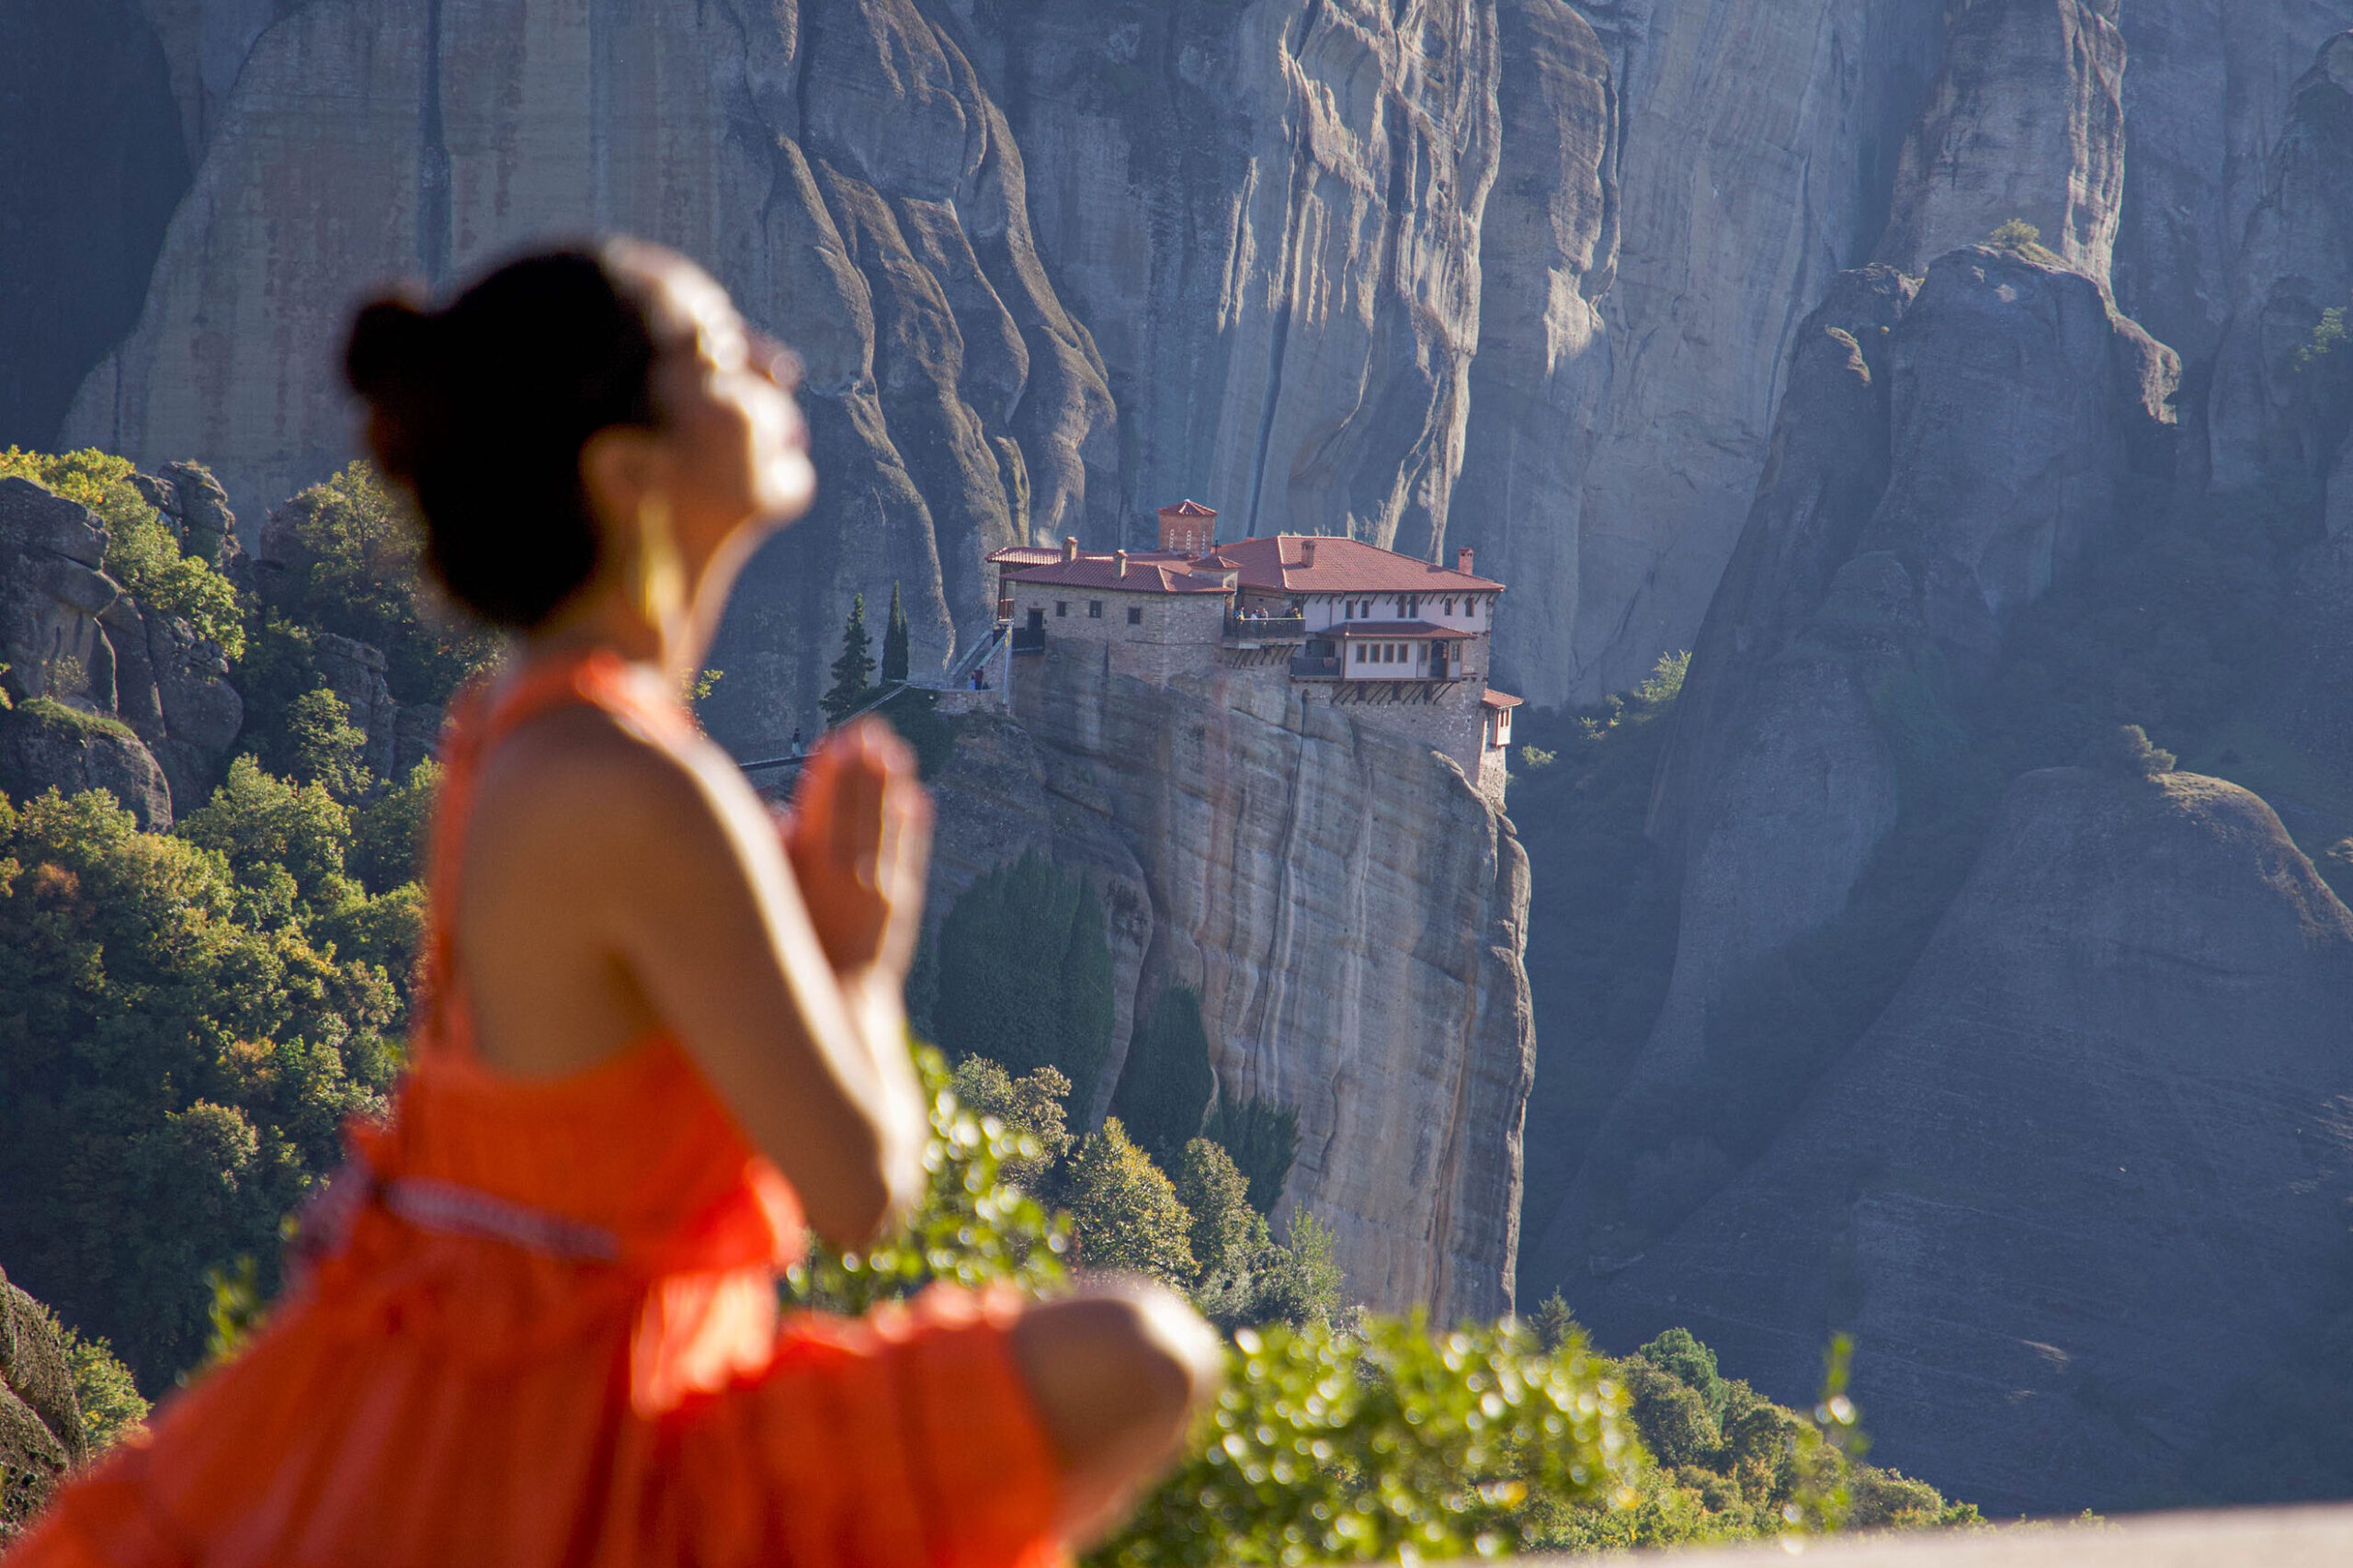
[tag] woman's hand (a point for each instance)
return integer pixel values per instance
(859, 836)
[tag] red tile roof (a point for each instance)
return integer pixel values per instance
(1500, 699)
(1188, 508)
(1277, 563)
(1148, 572)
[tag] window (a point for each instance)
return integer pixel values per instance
(1360, 652)
(1095, 609)
(1450, 607)
(1135, 615)
(1062, 607)
(1348, 611)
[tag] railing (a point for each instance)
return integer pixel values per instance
(1312, 666)
(1028, 639)
(1265, 628)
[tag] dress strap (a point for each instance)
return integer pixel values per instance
(489, 710)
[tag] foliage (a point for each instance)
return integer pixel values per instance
(1327, 1448)
(178, 1047)
(347, 555)
(2025, 239)
(1553, 1323)
(1263, 1138)
(1166, 1085)
(142, 553)
(853, 672)
(2327, 338)
(1034, 1107)
(894, 642)
(1125, 1210)
(328, 749)
(2126, 751)
(969, 1228)
(1024, 974)
(104, 1387)
(915, 714)
(388, 834)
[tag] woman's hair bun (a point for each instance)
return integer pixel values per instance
(481, 409)
(385, 355)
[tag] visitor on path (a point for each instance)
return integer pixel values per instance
(536, 1320)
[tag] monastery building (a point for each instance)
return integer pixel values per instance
(1401, 643)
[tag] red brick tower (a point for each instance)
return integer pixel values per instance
(1188, 528)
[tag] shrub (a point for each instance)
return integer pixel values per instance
(1165, 1086)
(1125, 1211)
(1024, 974)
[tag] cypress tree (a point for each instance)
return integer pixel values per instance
(854, 671)
(894, 642)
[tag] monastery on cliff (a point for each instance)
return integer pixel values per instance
(1400, 643)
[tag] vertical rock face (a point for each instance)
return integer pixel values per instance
(1350, 910)
(955, 405)
(2267, 412)
(1269, 214)
(2206, 89)
(1756, 148)
(95, 164)
(40, 1421)
(1548, 253)
(2082, 1176)
(2026, 120)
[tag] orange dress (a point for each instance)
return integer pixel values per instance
(542, 1328)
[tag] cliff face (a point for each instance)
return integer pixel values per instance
(2081, 1176)
(1350, 910)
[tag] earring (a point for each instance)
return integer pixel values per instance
(657, 581)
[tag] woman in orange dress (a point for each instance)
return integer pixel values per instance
(537, 1319)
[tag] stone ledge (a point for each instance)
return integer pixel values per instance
(2239, 1538)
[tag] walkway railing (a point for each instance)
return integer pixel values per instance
(1265, 628)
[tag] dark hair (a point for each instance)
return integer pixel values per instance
(482, 409)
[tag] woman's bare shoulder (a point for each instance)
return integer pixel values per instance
(584, 780)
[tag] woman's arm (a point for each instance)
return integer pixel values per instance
(810, 1054)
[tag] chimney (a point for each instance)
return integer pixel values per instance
(1121, 557)
(1462, 561)
(1069, 547)
(1307, 552)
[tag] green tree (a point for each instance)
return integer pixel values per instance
(388, 834)
(284, 843)
(1263, 1138)
(347, 563)
(1227, 1235)
(175, 1056)
(1125, 1213)
(1035, 1107)
(329, 750)
(1299, 1281)
(1555, 1324)
(1024, 974)
(1165, 1086)
(894, 642)
(854, 671)
(104, 1387)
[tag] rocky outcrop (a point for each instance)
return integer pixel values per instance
(95, 165)
(107, 695)
(2206, 90)
(1350, 910)
(187, 496)
(1548, 254)
(2084, 1173)
(41, 1420)
(1757, 146)
(955, 405)
(2026, 120)
(2270, 413)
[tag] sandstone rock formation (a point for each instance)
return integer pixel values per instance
(107, 695)
(2082, 1175)
(2206, 90)
(1941, 457)
(2268, 410)
(1350, 910)
(955, 405)
(40, 1421)
(2026, 120)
